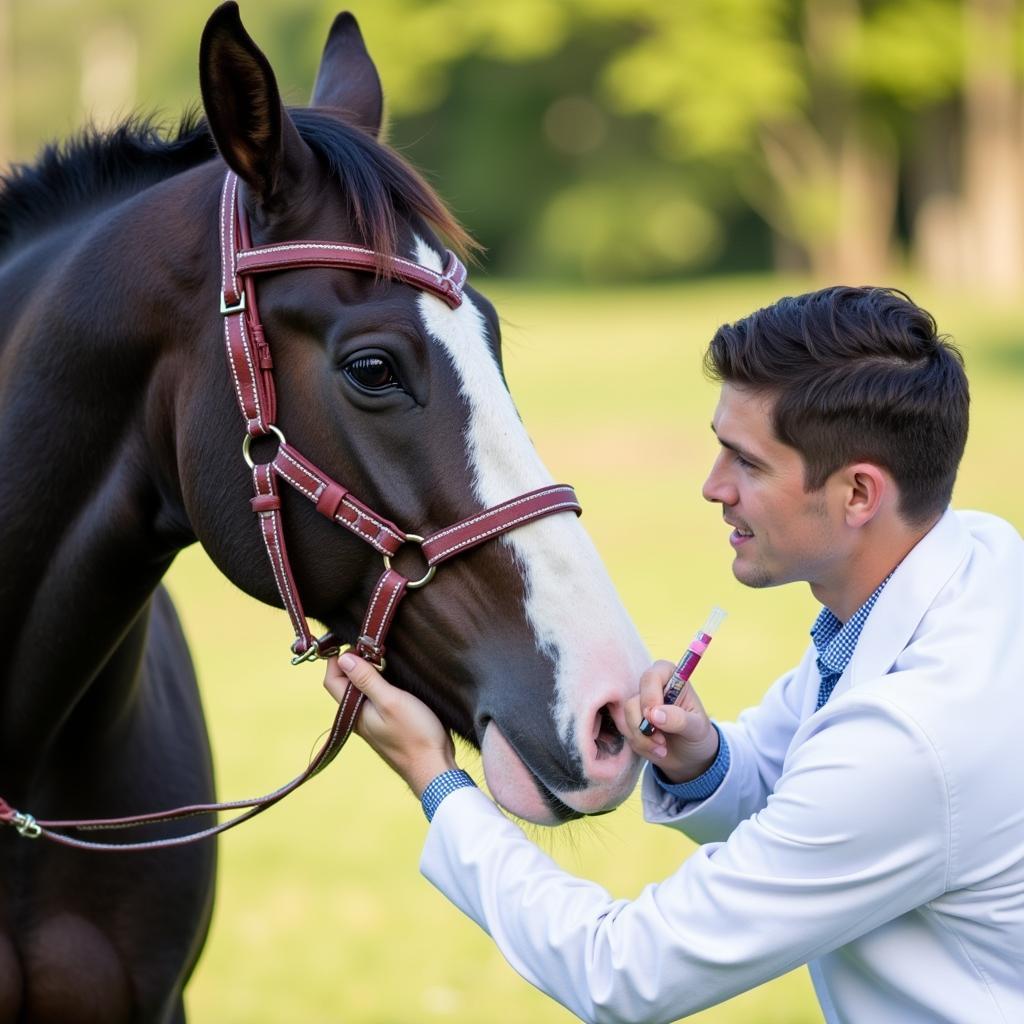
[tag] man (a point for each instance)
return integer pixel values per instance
(867, 818)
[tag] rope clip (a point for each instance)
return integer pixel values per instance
(26, 825)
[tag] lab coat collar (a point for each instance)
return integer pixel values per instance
(903, 602)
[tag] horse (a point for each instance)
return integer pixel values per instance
(119, 442)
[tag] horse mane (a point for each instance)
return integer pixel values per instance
(91, 166)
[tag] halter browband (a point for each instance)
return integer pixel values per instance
(251, 369)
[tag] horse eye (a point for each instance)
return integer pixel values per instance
(371, 373)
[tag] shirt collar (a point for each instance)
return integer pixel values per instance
(836, 641)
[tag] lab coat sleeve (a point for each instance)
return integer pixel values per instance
(758, 743)
(856, 833)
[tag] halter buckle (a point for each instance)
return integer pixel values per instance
(238, 307)
(415, 538)
(370, 652)
(25, 825)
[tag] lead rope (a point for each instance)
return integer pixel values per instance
(30, 828)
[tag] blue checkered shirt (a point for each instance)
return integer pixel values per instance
(441, 786)
(835, 643)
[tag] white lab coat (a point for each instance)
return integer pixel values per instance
(880, 839)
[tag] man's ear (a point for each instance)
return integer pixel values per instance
(347, 80)
(867, 488)
(243, 108)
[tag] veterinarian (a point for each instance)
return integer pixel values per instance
(867, 818)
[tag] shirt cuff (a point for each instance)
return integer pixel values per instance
(705, 784)
(441, 786)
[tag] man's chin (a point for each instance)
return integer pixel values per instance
(754, 576)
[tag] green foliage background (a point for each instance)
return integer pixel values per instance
(321, 914)
(610, 140)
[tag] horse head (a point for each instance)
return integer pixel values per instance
(521, 645)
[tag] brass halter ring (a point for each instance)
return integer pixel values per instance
(247, 444)
(427, 577)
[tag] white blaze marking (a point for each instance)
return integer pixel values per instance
(571, 604)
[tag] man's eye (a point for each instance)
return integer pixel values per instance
(371, 373)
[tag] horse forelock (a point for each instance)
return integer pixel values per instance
(377, 184)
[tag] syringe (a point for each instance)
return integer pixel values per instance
(688, 662)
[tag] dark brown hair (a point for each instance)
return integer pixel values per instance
(857, 374)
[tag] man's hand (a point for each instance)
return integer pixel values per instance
(685, 743)
(399, 726)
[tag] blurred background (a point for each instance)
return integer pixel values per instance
(639, 172)
(617, 140)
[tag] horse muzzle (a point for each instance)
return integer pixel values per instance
(609, 772)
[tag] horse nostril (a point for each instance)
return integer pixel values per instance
(609, 741)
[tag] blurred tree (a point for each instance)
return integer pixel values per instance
(957, 69)
(992, 217)
(777, 91)
(824, 110)
(556, 182)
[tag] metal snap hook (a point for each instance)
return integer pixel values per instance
(27, 826)
(314, 653)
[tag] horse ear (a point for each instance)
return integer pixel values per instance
(243, 108)
(347, 79)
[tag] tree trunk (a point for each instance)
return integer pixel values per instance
(993, 213)
(934, 188)
(866, 185)
(833, 176)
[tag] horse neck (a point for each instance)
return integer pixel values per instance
(89, 500)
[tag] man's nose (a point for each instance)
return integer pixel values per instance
(717, 487)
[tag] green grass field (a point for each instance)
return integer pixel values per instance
(321, 912)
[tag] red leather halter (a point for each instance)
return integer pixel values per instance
(251, 368)
(252, 373)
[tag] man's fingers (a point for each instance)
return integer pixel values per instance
(335, 681)
(654, 681)
(670, 719)
(362, 675)
(349, 668)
